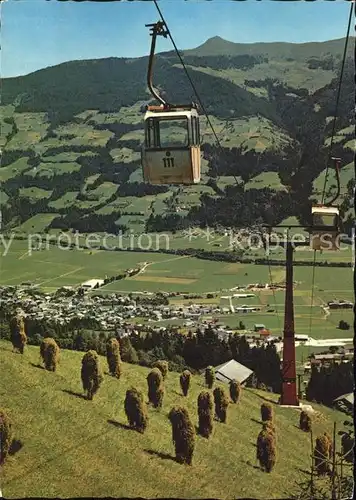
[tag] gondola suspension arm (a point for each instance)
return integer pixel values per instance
(157, 29)
(337, 163)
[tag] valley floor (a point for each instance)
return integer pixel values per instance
(52, 268)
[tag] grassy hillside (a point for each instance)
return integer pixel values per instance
(73, 447)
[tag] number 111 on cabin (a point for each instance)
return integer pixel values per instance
(168, 162)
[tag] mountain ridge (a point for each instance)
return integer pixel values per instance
(336, 43)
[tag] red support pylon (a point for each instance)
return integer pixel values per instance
(289, 383)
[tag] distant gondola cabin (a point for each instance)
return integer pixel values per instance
(171, 153)
(325, 228)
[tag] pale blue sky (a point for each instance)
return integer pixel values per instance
(40, 33)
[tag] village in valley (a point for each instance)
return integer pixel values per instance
(133, 313)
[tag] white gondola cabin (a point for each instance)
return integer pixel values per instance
(325, 227)
(171, 153)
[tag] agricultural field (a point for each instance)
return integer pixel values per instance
(105, 190)
(256, 133)
(266, 179)
(49, 169)
(341, 135)
(32, 132)
(204, 275)
(6, 129)
(134, 135)
(136, 223)
(87, 115)
(137, 175)
(82, 134)
(347, 172)
(57, 266)
(201, 239)
(42, 404)
(210, 240)
(3, 198)
(16, 168)
(158, 203)
(131, 115)
(64, 201)
(294, 73)
(36, 224)
(31, 129)
(227, 180)
(34, 193)
(67, 156)
(108, 209)
(125, 155)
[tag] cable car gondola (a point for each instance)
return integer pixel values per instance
(171, 152)
(326, 221)
(326, 227)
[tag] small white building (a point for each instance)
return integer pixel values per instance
(301, 338)
(90, 284)
(232, 370)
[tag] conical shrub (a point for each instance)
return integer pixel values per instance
(235, 391)
(127, 351)
(91, 373)
(347, 446)
(266, 450)
(209, 376)
(205, 413)
(155, 388)
(163, 367)
(322, 455)
(49, 351)
(183, 434)
(269, 426)
(185, 381)
(113, 357)
(5, 435)
(266, 412)
(305, 422)
(17, 333)
(221, 401)
(136, 410)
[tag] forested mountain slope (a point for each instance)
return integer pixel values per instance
(71, 137)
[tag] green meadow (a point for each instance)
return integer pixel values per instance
(97, 455)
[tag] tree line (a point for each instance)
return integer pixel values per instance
(193, 351)
(326, 383)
